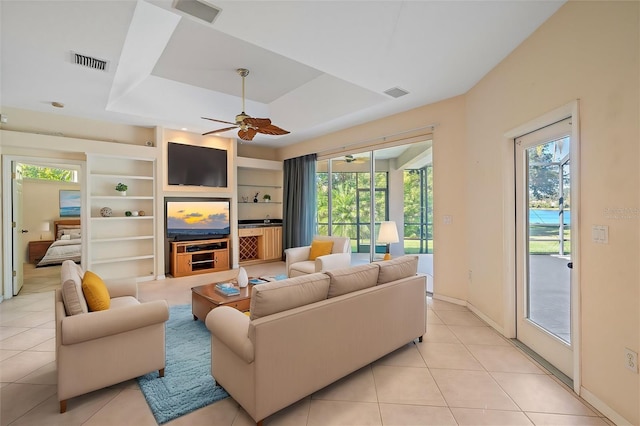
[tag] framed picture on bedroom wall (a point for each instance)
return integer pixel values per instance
(69, 203)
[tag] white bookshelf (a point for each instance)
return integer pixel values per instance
(119, 245)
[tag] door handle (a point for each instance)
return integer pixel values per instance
(570, 265)
(24, 231)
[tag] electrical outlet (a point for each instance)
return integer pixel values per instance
(631, 360)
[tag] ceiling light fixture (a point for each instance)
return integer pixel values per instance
(57, 104)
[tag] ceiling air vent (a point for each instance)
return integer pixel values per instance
(198, 9)
(396, 92)
(89, 62)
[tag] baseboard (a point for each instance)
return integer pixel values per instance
(450, 299)
(607, 411)
(486, 319)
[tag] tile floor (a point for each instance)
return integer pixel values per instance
(463, 373)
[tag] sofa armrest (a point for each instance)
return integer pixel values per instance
(231, 327)
(296, 254)
(95, 325)
(333, 261)
(122, 287)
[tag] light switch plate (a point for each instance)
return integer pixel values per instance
(600, 234)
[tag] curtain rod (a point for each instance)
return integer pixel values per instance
(363, 144)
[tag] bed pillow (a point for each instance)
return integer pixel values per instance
(96, 292)
(69, 228)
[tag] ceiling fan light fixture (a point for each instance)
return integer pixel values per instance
(248, 125)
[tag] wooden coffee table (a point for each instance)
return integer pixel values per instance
(204, 298)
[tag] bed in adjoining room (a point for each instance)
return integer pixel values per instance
(67, 244)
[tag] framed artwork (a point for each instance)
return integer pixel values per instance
(69, 203)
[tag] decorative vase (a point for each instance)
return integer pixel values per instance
(106, 212)
(123, 193)
(255, 199)
(243, 279)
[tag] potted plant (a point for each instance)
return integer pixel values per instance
(122, 188)
(266, 198)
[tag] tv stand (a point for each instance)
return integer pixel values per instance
(199, 257)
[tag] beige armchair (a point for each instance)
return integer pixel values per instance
(102, 348)
(298, 263)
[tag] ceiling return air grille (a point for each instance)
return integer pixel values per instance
(89, 62)
(396, 92)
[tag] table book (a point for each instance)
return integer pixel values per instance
(227, 289)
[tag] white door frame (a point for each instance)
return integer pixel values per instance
(7, 182)
(509, 243)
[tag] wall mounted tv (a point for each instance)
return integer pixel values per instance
(196, 165)
(190, 219)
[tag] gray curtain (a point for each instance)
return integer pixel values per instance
(299, 201)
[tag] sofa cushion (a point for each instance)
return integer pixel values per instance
(320, 248)
(71, 296)
(398, 268)
(346, 280)
(302, 268)
(96, 292)
(71, 276)
(278, 296)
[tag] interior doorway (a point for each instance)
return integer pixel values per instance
(31, 192)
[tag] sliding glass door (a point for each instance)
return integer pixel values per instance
(352, 204)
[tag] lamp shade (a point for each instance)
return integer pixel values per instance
(388, 233)
(44, 227)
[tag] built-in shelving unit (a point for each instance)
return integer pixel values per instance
(120, 245)
(262, 177)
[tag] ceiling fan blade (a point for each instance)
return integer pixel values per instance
(219, 130)
(218, 121)
(247, 135)
(272, 130)
(257, 122)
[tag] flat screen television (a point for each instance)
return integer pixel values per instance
(190, 219)
(196, 165)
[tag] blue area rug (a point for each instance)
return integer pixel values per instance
(187, 384)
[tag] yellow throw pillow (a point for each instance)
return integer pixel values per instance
(320, 248)
(95, 292)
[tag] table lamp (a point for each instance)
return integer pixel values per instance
(388, 234)
(44, 227)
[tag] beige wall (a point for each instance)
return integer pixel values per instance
(586, 51)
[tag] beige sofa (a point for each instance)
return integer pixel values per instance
(304, 333)
(102, 348)
(298, 263)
